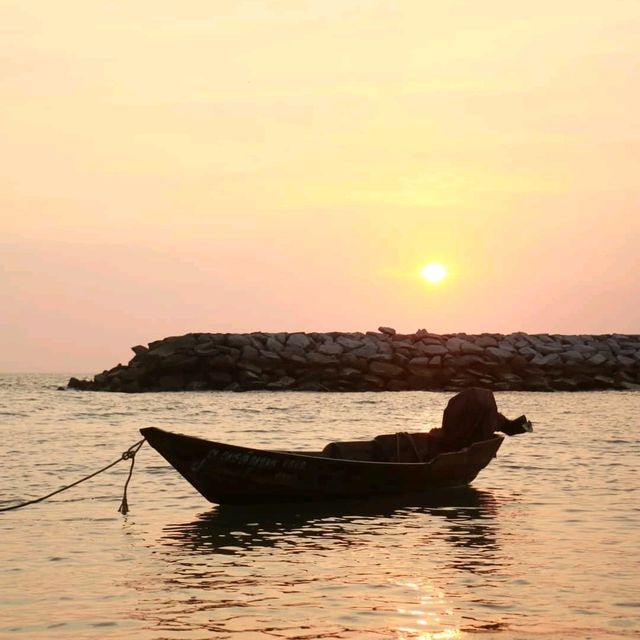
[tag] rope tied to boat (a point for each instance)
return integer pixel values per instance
(129, 454)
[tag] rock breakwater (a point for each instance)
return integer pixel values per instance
(376, 361)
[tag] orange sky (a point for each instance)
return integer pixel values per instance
(170, 167)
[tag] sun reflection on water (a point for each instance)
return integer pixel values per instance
(432, 619)
(413, 634)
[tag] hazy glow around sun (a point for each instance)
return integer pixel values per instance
(434, 272)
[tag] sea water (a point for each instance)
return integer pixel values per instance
(545, 543)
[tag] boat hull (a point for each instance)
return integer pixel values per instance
(229, 474)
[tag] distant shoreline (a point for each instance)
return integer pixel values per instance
(382, 360)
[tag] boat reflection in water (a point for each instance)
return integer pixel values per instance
(233, 529)
(349, 569)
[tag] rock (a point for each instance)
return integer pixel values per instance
(133, 386)
(312, 386)
(468, 360)
(206, 349)
(222, 361)
(219, 379)
(468, 347)
(402, 356)
(366, 351)
(182, 342)
(140, 350)
(286, 382)
(245, 376)
(528, 353)
(598, 359)
(320, 359)
(386, 369)
(294, 355)
(386, 356)
(551, 360)
(196, 385)
(572, 357)
(625, 361)
(486, 341)
(397, 385)
(351, 360)
(269, 360)
(613, 345)
(249, 366)
(180, 361)
(129, 374)
(390, 331)
(274, 345)
(174, 382)
(565, 384)
(463, 381)
(299, 340)
(454, 345)
(386, 347)
(585, 349)
(423, 382)
(606, 382)
(506, 345)
(435, 349)
(239, 340)
(402, 344)
(518, 362)
(536, 383)
(373, 382)
(420, 366)
(547, 349)
(349, 343)
(511, 379)
(249, 354)
(163, 350)
(349, 372)
(331, 349)
(74, 383)
(499, 353)
(325, 374)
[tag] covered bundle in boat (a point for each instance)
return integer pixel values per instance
(470, 416)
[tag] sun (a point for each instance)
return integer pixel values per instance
(434, 272)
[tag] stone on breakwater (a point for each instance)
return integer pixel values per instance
(376, 361)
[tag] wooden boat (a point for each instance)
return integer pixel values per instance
(229, 474)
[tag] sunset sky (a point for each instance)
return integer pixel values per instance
(214, 165)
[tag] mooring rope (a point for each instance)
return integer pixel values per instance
(129, 454)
